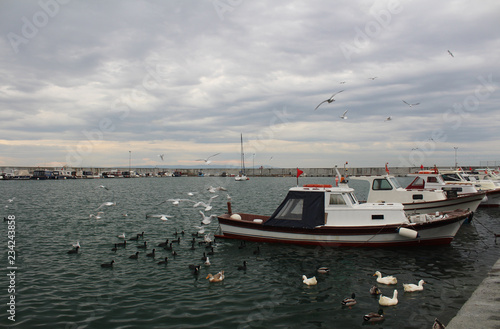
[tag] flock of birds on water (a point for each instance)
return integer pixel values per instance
(344, 117)
(201, 239)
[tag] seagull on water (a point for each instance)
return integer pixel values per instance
(121, 236)
(329, 100)
(410, 105)
(161, 216)
(343, 116)
(207, 161)
(449, 52)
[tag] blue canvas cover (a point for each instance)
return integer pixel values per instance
(300, 210)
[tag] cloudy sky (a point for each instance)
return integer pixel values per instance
(94, 83)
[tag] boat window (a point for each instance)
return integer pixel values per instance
(395, 182)
(337, 199)
(451, 177)
(377, 216)
(432, 179)
(418, 197)
(353, 198)
(292, 210)
(381, 184)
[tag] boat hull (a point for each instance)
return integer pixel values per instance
(492, 199)
(438, 232)
(467, 202)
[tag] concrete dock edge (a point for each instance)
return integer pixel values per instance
(482, 309)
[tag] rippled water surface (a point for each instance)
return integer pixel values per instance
(59, 290)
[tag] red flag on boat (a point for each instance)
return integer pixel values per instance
(421, 167)
(386, 169)
(299, 172)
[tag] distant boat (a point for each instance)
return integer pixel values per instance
(242, 176)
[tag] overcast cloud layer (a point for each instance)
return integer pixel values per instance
(90, 83)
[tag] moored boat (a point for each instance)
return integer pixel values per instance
(332, 216)
(387, 188)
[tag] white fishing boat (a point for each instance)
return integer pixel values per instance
(241, 175)
(332, 216)
(383, 189)
(453, 182)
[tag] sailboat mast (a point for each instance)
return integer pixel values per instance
(242, 156)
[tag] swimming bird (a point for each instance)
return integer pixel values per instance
(108, 264)
(329, 100)
(73, 251)
(136, 256)
(437, 324)
(141, 235)
(207, 262)
(349, 301)
(211, 252)
(134, 238)
(207, 161)
(174, 253)
(410, 287)
(451, 54)
(385, 280)
(163, 244)
(310, 282)
(386, 301)
(194, 269)
(323, 270)
(374, 317)
(243, 267)
(163, 261)
(77, 244)
(207, 239)
(115, 248)
(410, 105)
(204, 257)
(201, 230)
(192, 246)
(151, 254)
(169, 247)
(374, 290)
(216, 278)
(122, 244)
(242, 244)
(121, 236)
(161, 216)
(206, 220)
(343, 116)
(144, 246)
(257, 251)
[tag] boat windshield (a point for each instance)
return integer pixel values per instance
(451, 177)
(395, 182)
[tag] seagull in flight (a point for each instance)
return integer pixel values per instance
(373, 78)
(329, 100)
(161, 156)
(206, 219)
(106, 204)
(388, 119)
(449, 52)
(410, 105)
(161, 216)
(207, 205)
(207, 161)
(343, 116)
(342, 82)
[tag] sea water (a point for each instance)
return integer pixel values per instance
(54, 289)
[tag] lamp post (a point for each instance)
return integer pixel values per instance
(456, 164)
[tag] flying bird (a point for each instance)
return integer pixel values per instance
(388, 119)
(410, 105)
(373, 78)
(161, 156)
(343, 116)
(207, 161)
(329, 100)
(449, 52)
(342, 82)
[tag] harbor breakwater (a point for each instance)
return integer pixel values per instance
(9, 172)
